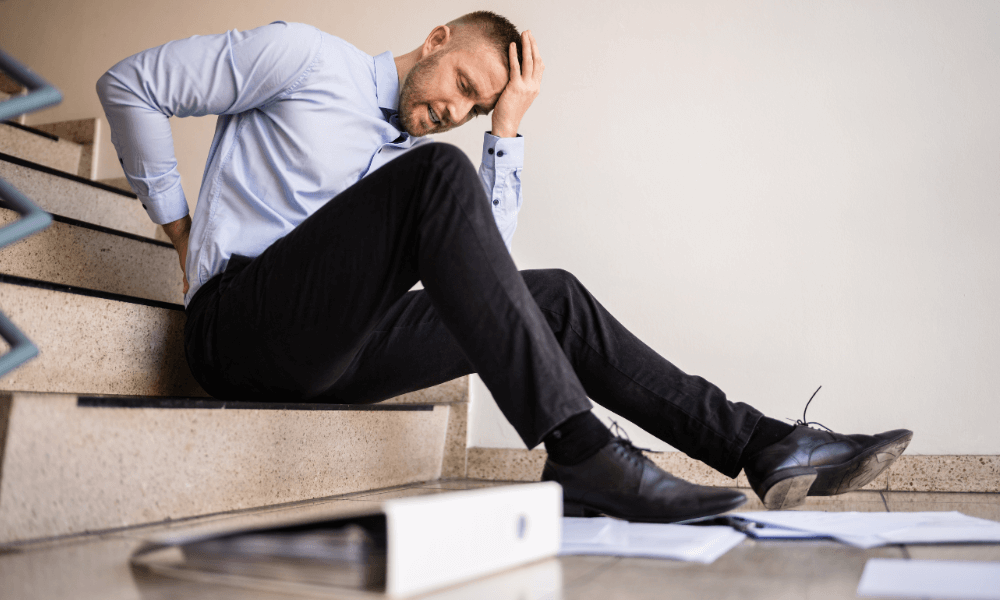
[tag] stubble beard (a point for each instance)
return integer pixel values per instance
(415, 83)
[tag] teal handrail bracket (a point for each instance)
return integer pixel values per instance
(33, 219)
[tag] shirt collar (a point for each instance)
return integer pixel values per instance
(386, 82)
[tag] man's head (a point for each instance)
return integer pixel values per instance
(459, 73)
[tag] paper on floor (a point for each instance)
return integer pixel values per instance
(611, 537)
(867, 530)
(900, 578)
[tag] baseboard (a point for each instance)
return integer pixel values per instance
(911, 473)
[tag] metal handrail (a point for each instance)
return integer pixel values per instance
(33, 219)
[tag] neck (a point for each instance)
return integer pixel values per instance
(404, 63)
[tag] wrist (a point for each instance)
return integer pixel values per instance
(504, 130)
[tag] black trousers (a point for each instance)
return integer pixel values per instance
(325, 315)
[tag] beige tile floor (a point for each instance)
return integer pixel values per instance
(97, 566)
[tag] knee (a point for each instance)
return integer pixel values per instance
(555, 288)
(445, 157)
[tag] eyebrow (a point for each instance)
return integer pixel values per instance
(485, 108)
(468, 82)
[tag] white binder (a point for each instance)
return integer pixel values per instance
(446, 538)
(432, 542)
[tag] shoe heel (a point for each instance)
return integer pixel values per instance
(573, 509)
(790, 490)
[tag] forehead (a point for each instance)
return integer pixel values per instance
(482, 65)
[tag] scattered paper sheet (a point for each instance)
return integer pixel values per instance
(612, 537)
(901, 578)
(867, 530)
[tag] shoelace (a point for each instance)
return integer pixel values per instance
(807, 423)
(633, 452)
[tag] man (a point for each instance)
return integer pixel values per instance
(323, 204)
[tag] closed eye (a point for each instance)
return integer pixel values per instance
(468, 91)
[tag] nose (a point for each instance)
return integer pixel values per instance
(460, 110)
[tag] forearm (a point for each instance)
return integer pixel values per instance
(178, 231)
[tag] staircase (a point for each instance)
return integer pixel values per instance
(106, 428)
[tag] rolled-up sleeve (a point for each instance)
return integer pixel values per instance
(222, 74)
(500, 172)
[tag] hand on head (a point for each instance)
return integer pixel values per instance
(522, 88)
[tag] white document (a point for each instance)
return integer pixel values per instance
(900, 578)
(612, 537)
(868, 530)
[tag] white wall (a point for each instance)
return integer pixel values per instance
(773, 195)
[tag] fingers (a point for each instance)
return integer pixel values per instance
(527, 51)
(515, 66)
(533, 65)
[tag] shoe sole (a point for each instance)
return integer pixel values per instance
(788, 488)
(578, 509)
(859, 472)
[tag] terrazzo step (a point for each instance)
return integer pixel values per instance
(120, 183)
(40, 147)
(71, 464)
(78, 198)
(84, 132)
(95, 342)
(78, 254)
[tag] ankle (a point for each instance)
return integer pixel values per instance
(576, 439)
(767, 432)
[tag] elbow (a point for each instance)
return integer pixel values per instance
(104, 84)
(108, 86)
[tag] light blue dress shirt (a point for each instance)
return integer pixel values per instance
(303, 115)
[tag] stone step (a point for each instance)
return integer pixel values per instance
(120, 183)
(86, 133)
(78, 254)
(78, 198)
(41, 148)
(95, 342)
(71, 464)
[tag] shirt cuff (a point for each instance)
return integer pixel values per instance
(503, 153)
(166, 207)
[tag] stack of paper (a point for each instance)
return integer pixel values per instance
(867, 530)
(606, 536)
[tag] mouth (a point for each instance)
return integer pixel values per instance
(433, 116)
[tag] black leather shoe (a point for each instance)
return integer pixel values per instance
(820, 463)
(620, 482)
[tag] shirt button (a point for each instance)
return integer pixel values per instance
(500, 153)
(490, 151)
(496, 203)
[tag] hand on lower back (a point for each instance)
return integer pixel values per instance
(178, 232)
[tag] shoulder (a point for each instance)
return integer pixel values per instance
(287, 39)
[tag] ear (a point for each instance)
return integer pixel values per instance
(438, 38)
